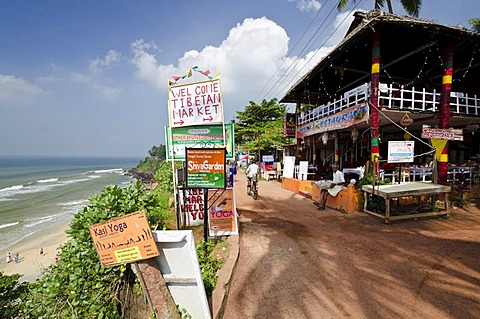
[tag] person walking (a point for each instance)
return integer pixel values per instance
(9, 258)
(15, 258)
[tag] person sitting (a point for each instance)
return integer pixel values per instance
(335, 186)
(252, 171)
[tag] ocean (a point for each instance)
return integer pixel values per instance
(39, 193)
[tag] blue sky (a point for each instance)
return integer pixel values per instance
(89, 78)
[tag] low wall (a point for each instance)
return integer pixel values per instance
(347, 200)
(295, 185)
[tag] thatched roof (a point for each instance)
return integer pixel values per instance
(410, 51)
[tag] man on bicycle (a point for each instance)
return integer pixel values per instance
(252, 171)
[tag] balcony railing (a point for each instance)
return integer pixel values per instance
(393, 98)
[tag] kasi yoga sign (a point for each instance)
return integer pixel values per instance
(124, 239)
(197, 103)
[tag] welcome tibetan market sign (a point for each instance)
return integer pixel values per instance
(341, 120)
(443, 134)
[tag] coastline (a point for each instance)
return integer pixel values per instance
(31, 264)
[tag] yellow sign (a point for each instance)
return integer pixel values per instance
(124, 239)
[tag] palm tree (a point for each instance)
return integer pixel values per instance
(411, 6)
(475, 23)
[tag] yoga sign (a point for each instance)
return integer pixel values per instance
(124, 239)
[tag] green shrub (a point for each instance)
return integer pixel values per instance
(11, 292)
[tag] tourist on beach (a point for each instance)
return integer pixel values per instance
(9, 258)
(41, 251)
(16, 258)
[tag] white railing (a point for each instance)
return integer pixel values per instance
(396, 99)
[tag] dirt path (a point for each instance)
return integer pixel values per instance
(299, 262)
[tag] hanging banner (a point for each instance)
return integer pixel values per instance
(200, 136)
(222, 211)
(206, 168)
(450, 134)
(124, 239)
(289, 125)
(341, 120)
(195, 104)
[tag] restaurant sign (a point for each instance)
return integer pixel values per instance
(205, 167)
(443, 134)
(340, 120)
(124, 239)
(400, 151)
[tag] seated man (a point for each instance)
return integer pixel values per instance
(334, 188)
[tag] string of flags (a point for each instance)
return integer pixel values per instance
(189, 73)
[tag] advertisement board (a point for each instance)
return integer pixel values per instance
(124, 239)
(191, 206)
(400, 151)
(195, 104)
(205, 167)
(199, 136)
(341, 120)
(222, 217)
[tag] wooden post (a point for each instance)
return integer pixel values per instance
(444, 116)
(375, 81)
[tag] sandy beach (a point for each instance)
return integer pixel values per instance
(31, 263)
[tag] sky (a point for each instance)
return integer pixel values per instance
(89, 78)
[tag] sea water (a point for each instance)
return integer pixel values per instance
(39, 193)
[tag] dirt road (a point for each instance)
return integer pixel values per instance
(299, 262)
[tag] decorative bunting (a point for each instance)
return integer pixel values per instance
(189, 73)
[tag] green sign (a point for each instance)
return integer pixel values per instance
(198, 136)
(205, 168)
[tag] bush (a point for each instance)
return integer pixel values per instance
(11, 292)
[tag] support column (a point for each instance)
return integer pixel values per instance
(444, 116)
(374, 86)
(335, 136)
(299, 139)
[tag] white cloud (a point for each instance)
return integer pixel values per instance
(307, 5)
(15, 90)
(111, 58)
(253, 51)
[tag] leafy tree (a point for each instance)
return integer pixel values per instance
(11, 292)
(159, 152)
(411, 6)
(475, 23)
(259, 127)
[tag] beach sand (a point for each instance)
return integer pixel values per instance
(31, 263)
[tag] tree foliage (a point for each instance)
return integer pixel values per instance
(11, 292)
(475, 23)
(159, 152)
(411, 6)
(260, 126)
(77, 286)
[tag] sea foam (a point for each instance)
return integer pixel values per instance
(8, 225)
(50, 180)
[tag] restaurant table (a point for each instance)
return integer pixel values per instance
(416, 189)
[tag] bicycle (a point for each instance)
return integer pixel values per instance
(252, 187)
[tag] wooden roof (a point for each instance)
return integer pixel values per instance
(411, 53)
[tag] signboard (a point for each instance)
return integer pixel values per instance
(268, 158)
(289, 166)
(191, 206)
(222, 212)
(400, 151)
(195, 104)
(206, 167)
(124, 239)
(444, 134)
(289, 125)
(341, 120)
(200, 136)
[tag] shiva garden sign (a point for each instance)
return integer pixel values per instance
(205, 167)
(199, 136)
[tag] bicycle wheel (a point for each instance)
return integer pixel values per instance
(255, 191)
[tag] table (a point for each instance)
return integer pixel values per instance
(416, 189)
